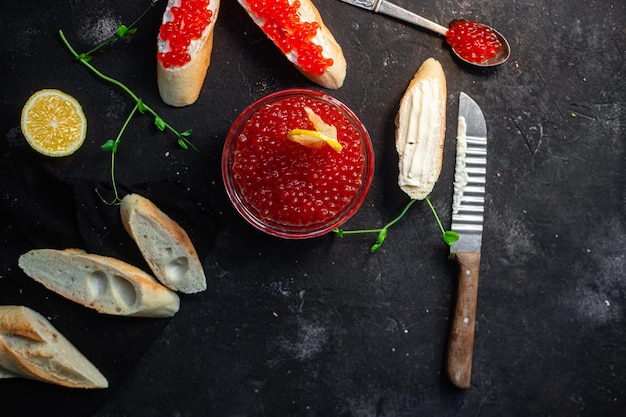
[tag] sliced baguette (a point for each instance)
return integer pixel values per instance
(31, 347)
(334, 76)
(108, 285)
(181, 85)
(420, 130)
(164, 244)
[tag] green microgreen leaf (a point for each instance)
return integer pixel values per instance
(182, 143)
(109, 146)
(121, 31)
(160, 123)
(186, 133)
(382, 235)
(450, 237)
(84, 57)
(141, 107)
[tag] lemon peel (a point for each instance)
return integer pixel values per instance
(324, 134)
(53, 123)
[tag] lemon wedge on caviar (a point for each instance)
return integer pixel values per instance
(53, 123)
(324, 134)
(313, 139)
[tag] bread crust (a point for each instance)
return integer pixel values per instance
(31, 347)
(105, 284)
(334, 75)
(164, 244)
(181, 86)
(420, 130)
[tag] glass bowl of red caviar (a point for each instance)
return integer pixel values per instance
(287, 189)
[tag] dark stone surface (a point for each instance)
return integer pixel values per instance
(322, 327)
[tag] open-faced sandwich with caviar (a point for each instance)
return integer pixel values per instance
(184, 47)
(297, 28)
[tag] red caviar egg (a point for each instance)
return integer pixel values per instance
(284, 27)
(192, 15)
(472, 41)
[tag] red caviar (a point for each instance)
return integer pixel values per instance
(190, 19)
(472, 41)
(287, 184)
(284, 27)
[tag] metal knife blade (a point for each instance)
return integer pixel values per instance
(467, 220)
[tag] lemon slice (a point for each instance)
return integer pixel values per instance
(313, 139)
(53, 123)
(324, 134)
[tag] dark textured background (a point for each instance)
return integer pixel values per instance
(322, 327)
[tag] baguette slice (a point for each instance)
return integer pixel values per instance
(164, 244)
(108, 285)
(334, 76)
(31, 347)
(420, 130)
(180, 85)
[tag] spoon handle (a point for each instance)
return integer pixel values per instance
(398, 12)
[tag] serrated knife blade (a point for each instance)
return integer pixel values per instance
(467, 220)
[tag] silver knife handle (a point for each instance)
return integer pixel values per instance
(398, 12)
(366, 4)
(461, 344)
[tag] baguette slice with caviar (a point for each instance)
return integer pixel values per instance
(184, 47)
(108, 285)
(420, 130)
(31, 347)
(164, 244)
(297, 29)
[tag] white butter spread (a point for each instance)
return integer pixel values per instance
(460, 169)
(419, 124)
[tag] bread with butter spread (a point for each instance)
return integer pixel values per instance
(420, 130)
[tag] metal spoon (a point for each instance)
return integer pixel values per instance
(390, 9)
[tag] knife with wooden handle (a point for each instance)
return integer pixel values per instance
(467, 220)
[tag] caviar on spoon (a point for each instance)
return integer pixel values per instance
(472, 42)
(477, 44)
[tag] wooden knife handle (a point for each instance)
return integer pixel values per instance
(461, 344)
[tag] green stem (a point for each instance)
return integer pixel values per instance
(387, 226)
(355, 232)
(100, 46)
(152, 3)
(432, 209)
(402, 213)
(382, 233)
(182, 140)
(116, 35)
(118, 139)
